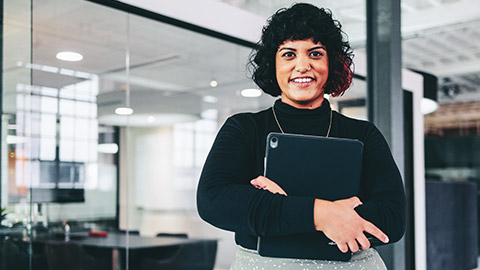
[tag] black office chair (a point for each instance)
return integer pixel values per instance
(179, 235)
(192, 256)
(12, 257)
(68, 255)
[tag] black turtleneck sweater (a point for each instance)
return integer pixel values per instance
(227, 200)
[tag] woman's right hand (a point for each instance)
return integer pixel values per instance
(340, 223)
(261, 182)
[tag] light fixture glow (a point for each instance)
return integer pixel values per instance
(213, 83)
(124, 111)
(211, 114)
(251, 92)
(150, 119)
(428, 106)
(210, 99)
(107, 148)
(69, 56)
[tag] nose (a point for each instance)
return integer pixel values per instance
(302, 65)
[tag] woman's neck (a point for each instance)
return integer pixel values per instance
(317, 103)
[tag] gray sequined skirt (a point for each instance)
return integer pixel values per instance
(247, 259)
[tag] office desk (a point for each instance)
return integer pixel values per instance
(117, 244)
(133, 242)
(111, 251)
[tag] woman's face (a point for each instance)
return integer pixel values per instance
(302, 71)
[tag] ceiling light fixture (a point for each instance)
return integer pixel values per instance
(210, 99)
(107, 148)
(428, 106)
(429, 103)
(69, 56)
(251, 92)
(213, 83)
(124, 111)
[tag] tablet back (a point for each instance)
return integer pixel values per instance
(327, 168)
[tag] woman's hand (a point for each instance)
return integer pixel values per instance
(262, 182)
(341, 224)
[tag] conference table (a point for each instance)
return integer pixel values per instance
(118, 243)
(116, 249)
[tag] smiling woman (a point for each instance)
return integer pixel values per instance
(302, 56)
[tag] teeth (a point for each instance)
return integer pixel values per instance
(302, 80)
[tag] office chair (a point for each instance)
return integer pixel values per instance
(12, 257)
(193, 256)
(68, 255)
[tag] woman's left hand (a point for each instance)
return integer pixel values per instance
(262, 182)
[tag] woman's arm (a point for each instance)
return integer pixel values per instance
(226, 199)
(382, 191)
(337, 220)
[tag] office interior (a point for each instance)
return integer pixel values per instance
(110, 141)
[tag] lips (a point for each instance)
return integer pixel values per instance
(302, 81)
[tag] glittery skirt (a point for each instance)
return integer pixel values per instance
(247, 259)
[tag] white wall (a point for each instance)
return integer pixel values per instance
(150, 200)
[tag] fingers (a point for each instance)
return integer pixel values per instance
(267, 184)
(259, 182)
(351, 203)
(363, 241)
(353, 246)
(355, 201)
(342, 247)
(375, 231)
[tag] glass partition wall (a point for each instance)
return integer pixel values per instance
(74, 169)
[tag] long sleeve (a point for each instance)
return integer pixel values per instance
(227, 200)
(382, 189)
(225, 197)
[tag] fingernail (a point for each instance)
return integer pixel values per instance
(387, 240)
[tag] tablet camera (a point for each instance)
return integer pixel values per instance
(274, 142)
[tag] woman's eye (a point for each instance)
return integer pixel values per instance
(288, 54)
(316, 54)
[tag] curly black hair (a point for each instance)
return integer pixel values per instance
(299, 22)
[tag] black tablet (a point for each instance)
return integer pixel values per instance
(326, 168)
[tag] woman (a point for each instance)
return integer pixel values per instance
(301, 57)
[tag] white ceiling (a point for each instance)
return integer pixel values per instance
(171, 68)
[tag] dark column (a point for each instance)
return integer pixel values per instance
(1, 89)
(384, 94)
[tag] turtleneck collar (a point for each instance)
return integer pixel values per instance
(286, 110)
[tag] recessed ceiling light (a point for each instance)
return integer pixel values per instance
(210, 99)
(107, 148)
(211, 114)
(213, 83)
(251, 92)
(124, 111)
(69, 56)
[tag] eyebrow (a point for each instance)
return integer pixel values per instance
(311, 49)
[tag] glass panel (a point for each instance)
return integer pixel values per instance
(18, 171)
(70, 160)
(56, 184)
